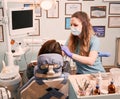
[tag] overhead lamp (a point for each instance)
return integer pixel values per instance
(47, 4)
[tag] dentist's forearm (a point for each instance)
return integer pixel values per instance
(83, 59)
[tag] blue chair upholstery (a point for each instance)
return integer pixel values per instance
(103, 54)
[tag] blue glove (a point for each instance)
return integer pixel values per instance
(66, 50)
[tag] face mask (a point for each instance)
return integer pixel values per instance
(75, 32)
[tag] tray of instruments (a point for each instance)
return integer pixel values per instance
(83, 86)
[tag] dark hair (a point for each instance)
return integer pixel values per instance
(50, 46)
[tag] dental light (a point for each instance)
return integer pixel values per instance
(47, 4)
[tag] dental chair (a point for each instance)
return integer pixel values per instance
(103, 54)
(48, 81)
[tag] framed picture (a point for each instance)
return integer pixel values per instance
(38, 10)
(67, 23)
(53, 12)
(98, 12)
(114, 22)
(88, 0)
(99, 31)
(1, 13)
(1, 33)
(72, 0)
(71, 8)
(0, 4)
(37, 28)
(110, 0)
(114, 8)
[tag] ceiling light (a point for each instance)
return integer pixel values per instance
(47, 4)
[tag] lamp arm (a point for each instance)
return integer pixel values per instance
(9, 53)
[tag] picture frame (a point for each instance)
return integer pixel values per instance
(38, 10)
(88, 0)
(72, 0)
(114, 8)
(1, 33)
(114, 22)
(67, 23)
(71, 8)
(98, 12)
(110, 0)
(0, 4)
(37, 28)
(1, 13)
(53, 12)
(99, 31)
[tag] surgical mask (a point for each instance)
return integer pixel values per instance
(75, 31)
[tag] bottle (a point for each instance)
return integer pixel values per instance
(111, 88)
(99, 80)
(96, 91)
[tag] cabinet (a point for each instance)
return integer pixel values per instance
(73, 88)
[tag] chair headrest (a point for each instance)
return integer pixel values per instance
(46, 60)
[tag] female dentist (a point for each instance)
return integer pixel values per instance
(82, 45)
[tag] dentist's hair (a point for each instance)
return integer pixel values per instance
(87, 32)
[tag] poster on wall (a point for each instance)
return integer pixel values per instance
(38, 10)
(72, 0)
(98, 12)
(1, 33)
(114, 8)
(67, 23)
(88, 0)
(70, 8)
(1, 13)
(114, 22)
(37, 28)
(99, 31)
(110, 0)
(53, 12)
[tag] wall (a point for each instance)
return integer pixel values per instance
(54, 28)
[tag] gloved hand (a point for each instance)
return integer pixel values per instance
(66, 50)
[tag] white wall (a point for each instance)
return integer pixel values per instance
(54, 28)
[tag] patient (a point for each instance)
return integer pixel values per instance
(48, 81)
(49, 47)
